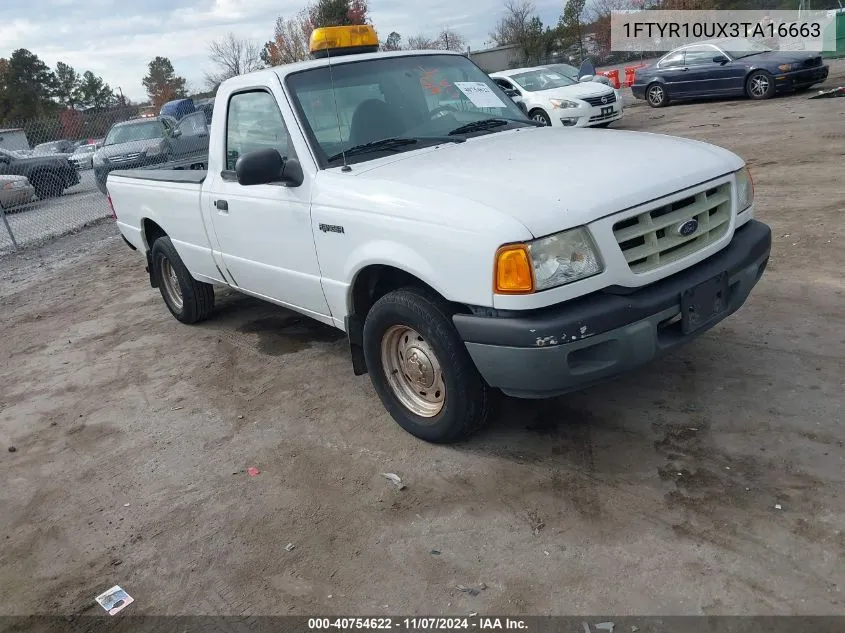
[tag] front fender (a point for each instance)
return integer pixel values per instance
(389, 253)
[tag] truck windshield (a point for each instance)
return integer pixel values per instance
(419, 97)
(135, 132)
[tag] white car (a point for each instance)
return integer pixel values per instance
(396, 196)
(83, 156)
(559, 101)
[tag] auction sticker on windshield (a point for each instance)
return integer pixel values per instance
(480, 94)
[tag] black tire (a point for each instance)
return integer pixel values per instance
(48, 186)
(656, 95)
(538, 114)
(465, 401)
(197, 296)
(760, 85)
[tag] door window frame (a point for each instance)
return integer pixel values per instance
(229, 175)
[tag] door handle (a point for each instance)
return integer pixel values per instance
(685, 69)
(221, 205)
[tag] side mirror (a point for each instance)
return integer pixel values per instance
(266, 166)
(176, 133)
(720, 59)
(585, 78)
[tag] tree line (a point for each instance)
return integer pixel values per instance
(29, 88)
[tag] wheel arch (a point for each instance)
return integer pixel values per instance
(370, 283)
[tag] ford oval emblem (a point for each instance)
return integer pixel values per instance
(687, 228)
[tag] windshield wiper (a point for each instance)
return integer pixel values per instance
(486, 124)
(395, 143)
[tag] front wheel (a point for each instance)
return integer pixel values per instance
(189, 300)
(48, 186)
(541, 117)
(421, 369)
(760, 85)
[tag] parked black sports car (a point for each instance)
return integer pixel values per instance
(49, 174)
(713, 69)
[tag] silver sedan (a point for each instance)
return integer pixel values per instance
(14, 191)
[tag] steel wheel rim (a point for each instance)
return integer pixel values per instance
(759, 85)
(655, 94)
(413, 371)
(540, 118)
(170, 283)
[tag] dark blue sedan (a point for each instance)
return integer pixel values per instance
(712, 69)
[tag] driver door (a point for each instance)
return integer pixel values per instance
(264, 231)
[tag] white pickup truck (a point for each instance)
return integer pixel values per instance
(406, 200)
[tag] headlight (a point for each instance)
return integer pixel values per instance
(155, 151)
(785, 68)
(563, 103)
(744, 189)
(547, 262)
(97, 159)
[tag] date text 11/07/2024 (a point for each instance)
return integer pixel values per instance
(417, 624)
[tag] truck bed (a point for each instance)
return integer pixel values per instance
(172, 199)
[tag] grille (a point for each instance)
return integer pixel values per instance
(596, 101)
(651, 239)
(125, 157)
(813, 62)
(602, 117)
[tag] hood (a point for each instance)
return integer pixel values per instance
(578, 91)
(43, 159)
(11, 178)
(128, 148)
(550, 179)
(778, 57)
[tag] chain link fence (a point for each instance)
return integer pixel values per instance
(53, 170)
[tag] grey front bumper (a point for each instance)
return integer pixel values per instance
(525, 355)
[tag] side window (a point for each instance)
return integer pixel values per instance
(193, 124)
(504, 83)
(254, 122)
(700, 56)
(675, 60)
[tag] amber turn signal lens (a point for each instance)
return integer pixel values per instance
(513, 270)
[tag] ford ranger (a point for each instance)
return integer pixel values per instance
(403, 198)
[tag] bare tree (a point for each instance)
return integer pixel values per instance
(290, 40)
(512, 27)
(232, 57)
(421, 43)
(450, 40)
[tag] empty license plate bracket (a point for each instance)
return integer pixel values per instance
(703, 303)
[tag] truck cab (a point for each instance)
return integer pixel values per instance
(405, 199)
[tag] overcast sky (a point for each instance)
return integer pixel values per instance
(117, 38)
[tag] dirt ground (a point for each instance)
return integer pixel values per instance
(710, 482)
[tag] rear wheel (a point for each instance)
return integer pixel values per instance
(656, 95)
(760, 85)
(189, 300)
(48, 186)
(421, 369)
